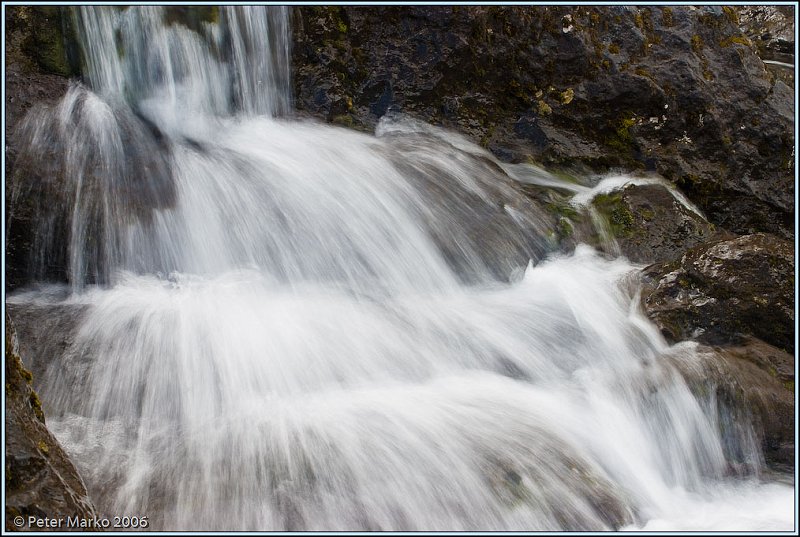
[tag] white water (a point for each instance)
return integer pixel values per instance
(285, 325)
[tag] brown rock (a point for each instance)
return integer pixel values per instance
(41, 480)
(751, 383)
(719, 292)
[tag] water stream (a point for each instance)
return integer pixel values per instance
(275, 324)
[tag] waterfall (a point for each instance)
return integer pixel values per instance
(274, 324)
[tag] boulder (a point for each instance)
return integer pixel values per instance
(677, 90)
(650, 224)
(721, 291)
(41, 481)
(748, 384)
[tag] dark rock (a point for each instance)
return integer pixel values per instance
(722, 291)
(29, 82)
(650, 225)
(46, 333)
(678, 90)
(41, 480)
(771, 29)
(752, 383)
(46, 184)
(42, 36)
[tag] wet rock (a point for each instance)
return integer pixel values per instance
(30, 81)
(651, 225)
(42, 37)
(771, 29)
(749, 383)
(676, 90)
(46, 333)
(722, 291)
(41, 480)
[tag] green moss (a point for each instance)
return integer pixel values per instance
(709, 20)
(613, 48)
(567, 96)
(487, 137)
(45, 42)
(622, 140)
(789, 385)
(562, 210)
(621, 221)
(616, 212)
(647, 214)
(192, 17)
(345, 120)
(628, 122)
(36, 404)
(43, 447)
(27, 375)
(564, 228)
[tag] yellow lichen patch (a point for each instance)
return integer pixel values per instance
(731, 13)
(567, 96)
(666, 16)
(736, 39)
(697, 44)
(544, 108)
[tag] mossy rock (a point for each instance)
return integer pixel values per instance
(40, 478)
(193, 17)
(651, 225)
(45, 31)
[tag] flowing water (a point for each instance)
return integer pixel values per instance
(275, 324)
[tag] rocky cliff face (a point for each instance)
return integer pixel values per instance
(676, 90)
(40, 481)
(37, 71)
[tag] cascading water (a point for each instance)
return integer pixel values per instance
(274, 324)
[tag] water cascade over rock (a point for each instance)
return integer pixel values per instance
(273, 324)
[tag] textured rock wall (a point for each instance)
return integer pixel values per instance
(40, 479)
(677, 90)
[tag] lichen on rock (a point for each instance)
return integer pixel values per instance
(723, 291)
(41, 481)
